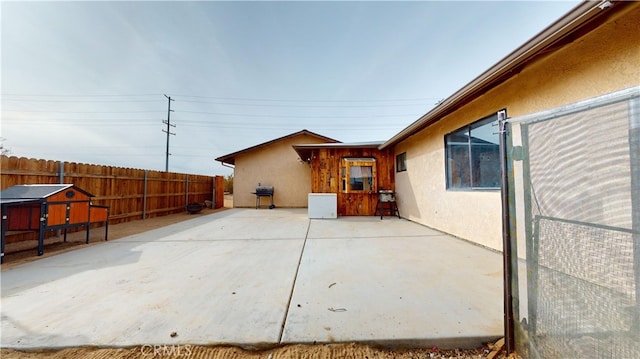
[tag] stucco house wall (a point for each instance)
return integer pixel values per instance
(275, 164)
(602, 61)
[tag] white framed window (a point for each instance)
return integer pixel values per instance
(358, 174)
(401, 162)
(473, 156)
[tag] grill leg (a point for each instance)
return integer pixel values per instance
(380, 207)
(390, 206)
(394, 209)
(259, 202)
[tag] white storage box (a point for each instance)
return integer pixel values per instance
(323, 205)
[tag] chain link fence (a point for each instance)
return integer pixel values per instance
(576, 280)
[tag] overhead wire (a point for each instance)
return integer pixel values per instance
(299, 106)
(78, 95)
(138, 111)
(82, 101)
(301, 100)
(218, 119)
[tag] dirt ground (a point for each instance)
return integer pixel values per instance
(320, 351)
(18, 253)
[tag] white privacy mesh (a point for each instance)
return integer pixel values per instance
(581, 172)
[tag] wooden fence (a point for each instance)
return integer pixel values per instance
(129, 193)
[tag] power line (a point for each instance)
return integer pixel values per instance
(215, 113)
(293, 116)
(82, 95)
(186, 123)
(66, 120)
(301, 106)
(59, 111)
(311, 104)
(224, 98)
(117, 123)
(312, 100)
(81, 101)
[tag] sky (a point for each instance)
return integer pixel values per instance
(86, 81)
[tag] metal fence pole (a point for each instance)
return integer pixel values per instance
(61, 173)
(186, 191)
(634, 155)
(213, 193)
(144, 197)
(506, 236)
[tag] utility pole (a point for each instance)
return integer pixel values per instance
(168, 131)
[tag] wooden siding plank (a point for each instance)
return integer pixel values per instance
(326, 167)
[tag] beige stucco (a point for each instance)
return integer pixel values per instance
(275, 164)
(603, 61)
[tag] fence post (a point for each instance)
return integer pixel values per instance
(186, 191)
(506, 235)
(213, 192)
(61, 172)
(144, 197)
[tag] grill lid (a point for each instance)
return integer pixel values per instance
(264, 190)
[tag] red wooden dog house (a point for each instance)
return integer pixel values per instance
(45, 207)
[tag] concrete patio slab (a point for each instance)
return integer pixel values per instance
(259, 277)
(368, 227)
(136, 291)
(236, 224)
(397, 287)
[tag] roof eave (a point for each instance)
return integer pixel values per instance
(230, 158)
(304, 150)
(53, 189)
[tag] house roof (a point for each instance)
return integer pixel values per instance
(231, 158)
(20, 193)
(304, 150)
(580, 20)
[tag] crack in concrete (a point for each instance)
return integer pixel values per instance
(293, 286)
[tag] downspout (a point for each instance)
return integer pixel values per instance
(226, 165)
(214, 182)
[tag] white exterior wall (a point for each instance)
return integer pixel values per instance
(275, 165)
(601, 62)
(424, 198)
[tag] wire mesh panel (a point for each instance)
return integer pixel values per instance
(580, 180)
(585, 290)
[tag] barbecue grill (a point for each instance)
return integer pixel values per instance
(387, 202)
(264, 191)
(386, 196)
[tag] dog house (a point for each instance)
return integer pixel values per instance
(46, 207)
